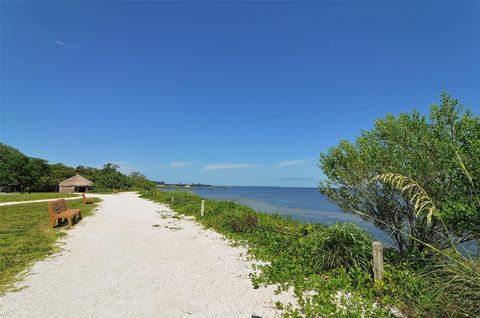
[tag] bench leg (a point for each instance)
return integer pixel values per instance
(52, 222)
(70, 220)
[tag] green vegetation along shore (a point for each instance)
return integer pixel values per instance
(327, 266)
(26, 237)
(308, 257)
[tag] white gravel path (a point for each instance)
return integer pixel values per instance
(42, 200)
(117, 264)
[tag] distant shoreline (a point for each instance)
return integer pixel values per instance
(233, 186)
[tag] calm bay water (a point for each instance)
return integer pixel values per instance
(303, 204)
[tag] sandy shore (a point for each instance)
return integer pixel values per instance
(136, 258)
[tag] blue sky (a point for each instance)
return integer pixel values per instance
(241, 93)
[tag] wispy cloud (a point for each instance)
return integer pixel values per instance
(287, 163)
(223, 166)
(181, 164)
(63, 44)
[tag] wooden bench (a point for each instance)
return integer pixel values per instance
(86, 200)
(58, 211)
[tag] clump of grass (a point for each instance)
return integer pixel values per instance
(456, 286)
(447, 288)
(26, 237)
(340, 245)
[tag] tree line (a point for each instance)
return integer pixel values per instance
(21, 173)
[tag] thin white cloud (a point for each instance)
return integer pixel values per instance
(223, 166)
(181, 164)
(287, 163)
(63, 44)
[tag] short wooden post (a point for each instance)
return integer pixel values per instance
(377, 264)
(202, 208)
(173, 200)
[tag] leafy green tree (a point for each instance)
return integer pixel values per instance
(87, 172)
(58, 173)
(14, 171)
(39, 171)
(110, 178)
(140, 182)
(431, 151)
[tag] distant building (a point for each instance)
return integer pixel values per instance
(76, 183)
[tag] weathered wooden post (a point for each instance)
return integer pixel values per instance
(202, 208)
(377, 265)
(173, 200)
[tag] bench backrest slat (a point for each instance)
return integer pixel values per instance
(55, 207)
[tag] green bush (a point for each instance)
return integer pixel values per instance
(440, 151)
(340, 245)
(241, 223)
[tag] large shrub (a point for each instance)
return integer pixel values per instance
(140, 181)
(110, 178)
(435, 151)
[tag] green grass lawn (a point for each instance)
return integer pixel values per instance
(25, 237)
(15, 197)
